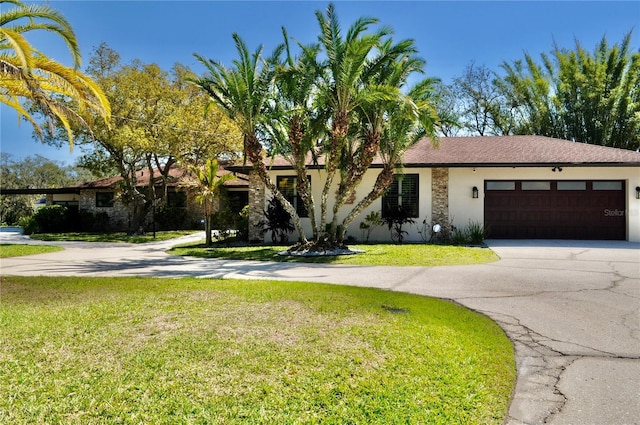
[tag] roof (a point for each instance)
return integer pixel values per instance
(176, 176)
(501, 151)
(515, 150)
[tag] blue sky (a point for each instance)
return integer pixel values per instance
(449, 35)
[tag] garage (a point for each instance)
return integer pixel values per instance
(555, 209)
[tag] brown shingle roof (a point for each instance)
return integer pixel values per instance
(515, 150)
(502, 151)
(176, 176)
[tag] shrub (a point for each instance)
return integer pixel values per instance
(277, 221)
(476, 232)
(372, 220)
(459, 236)
(395, 220)
(97, 222)
(51, 219)
(170, 218)
(243, 224)
(29, 225)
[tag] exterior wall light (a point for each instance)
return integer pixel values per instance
(474, 192)
(637, 192)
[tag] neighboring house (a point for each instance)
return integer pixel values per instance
(101, 196)
(518, 187)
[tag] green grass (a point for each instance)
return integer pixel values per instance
(374, 255)
(133, 350)
(111, 237)
(17, 250)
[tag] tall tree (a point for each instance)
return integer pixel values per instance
(208, 185)
(344, 88)
(578, 95)
(311, 107)
(26, 74)
(480, 104)
(242, 92)
(157, 121)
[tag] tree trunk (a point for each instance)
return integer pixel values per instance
(207, 230)
(253, 148)
(338, 134)
(383, 181)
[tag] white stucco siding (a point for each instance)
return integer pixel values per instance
(463, 208)
(377, 234)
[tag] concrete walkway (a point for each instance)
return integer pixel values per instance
(571, 308)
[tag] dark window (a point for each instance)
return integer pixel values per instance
(237, 201)
(287, 186)
(176, 199)
(403, 193)
(104, 199)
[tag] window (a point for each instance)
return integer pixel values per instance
(403, 193)
(607, 185)
(498, 185)
(104, 199)
(287, 186)
(572, 185)
(176, 199)
(536, 185)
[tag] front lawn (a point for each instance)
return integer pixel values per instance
(17, 250)
(133, 350)
(111, 237)
(373, 255)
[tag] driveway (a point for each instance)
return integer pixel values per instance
(571, 308)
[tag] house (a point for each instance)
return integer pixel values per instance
(517, 187)
(179, 210)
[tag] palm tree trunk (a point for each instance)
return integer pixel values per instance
(207, 224)
(253, 148)
(338, 134)
(383, 181)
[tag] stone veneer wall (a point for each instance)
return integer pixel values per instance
(256, 207)
(118, 214)
(440, 196)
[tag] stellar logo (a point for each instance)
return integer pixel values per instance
(614, 213)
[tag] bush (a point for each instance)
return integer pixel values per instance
(29, 225)
(170, 218)
(395, 220)
(243, 224)
(476, 232)
(52, 219)
(277, 221)
(94, 222)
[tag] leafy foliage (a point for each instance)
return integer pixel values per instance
(207, 186)
(372, 220)
(48, 219)
(343, 100)
(277, 220)
(590, 97)
(395, 220)
(28, 74)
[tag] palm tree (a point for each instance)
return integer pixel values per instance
(59, 92)
(242, 92)
(395, 126)
(294, 122)
(208, 185)
(344, 88)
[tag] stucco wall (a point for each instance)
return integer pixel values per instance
(378, 233)
(462, 208)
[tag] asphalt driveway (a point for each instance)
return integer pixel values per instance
(572, 310)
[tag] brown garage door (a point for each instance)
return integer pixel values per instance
(555, 209)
